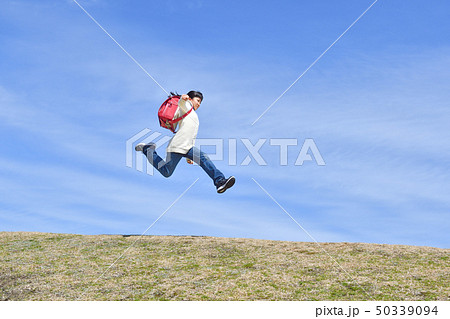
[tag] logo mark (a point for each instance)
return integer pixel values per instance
(135, 159)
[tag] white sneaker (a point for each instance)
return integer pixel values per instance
(228, 183)
(140, 146)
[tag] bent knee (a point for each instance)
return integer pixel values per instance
(199, 158)
(166, 174)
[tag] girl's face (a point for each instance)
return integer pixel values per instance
(196, 101)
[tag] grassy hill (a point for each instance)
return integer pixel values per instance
(42, 266)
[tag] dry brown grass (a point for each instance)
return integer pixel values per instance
(42, 266)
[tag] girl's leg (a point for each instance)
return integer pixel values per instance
(166, 168)
(208, 166)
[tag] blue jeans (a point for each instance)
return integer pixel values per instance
(166, 168)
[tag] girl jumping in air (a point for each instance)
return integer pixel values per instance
(182, 145)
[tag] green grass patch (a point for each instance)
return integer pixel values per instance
(40, 266)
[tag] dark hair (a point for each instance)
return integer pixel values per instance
(193, 94)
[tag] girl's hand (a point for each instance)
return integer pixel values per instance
(189, 161)
(185, 97)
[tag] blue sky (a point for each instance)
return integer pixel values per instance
(376, 106)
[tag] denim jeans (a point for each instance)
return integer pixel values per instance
(166, 168)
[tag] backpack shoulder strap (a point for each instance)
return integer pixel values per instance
(183, 116)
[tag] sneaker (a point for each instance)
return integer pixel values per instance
(228, 183)
(140, 146)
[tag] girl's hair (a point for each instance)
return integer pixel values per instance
(193, 94)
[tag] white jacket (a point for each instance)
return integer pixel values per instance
(187, 129)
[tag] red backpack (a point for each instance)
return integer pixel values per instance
(166, 113)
